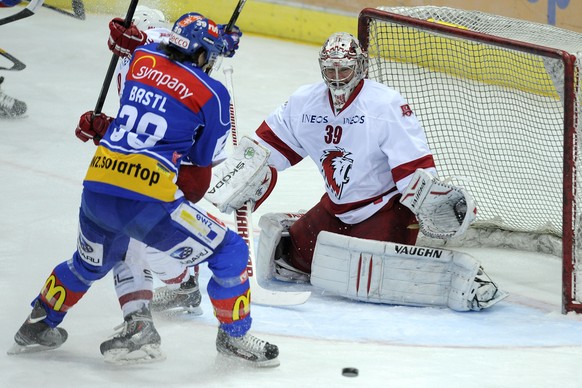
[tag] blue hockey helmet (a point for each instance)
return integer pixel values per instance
(192, 31)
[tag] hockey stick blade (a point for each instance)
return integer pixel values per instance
(26, 12)
(80, 16)
(79, 9)
(16, 64)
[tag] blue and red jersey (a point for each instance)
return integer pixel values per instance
(168, 112)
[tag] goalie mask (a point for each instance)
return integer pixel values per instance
(343, 65)
(146, 18)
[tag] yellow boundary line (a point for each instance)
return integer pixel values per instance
(310, 25)
(302, 24)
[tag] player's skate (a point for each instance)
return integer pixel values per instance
(247, 349)
(35, 335)
(186, 299)
(138, 341)
(10, 107)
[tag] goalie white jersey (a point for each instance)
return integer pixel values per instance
(366, 154)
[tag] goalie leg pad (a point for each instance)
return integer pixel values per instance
(273, 227)
(383, 272)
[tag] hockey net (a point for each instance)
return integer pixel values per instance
(499, 101)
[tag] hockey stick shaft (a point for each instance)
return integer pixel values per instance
(26, 12)
(244, 228)
(236, 13)
(17, 65)
(113, 62)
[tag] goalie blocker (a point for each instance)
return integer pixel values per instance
(244, 176)
(382, 272)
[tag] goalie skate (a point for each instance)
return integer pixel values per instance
(185, 299)
(137, 342)
(35, 335)
(247, 349)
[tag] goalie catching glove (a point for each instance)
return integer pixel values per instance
(241, 178)
(442, 209)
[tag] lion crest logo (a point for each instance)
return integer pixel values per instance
(336, 166)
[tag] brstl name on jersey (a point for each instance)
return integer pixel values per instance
(146, 98)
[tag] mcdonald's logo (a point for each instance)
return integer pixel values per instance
(51, 291)
(243, 303)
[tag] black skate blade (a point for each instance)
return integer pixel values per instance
(20, 349)
(147, 354)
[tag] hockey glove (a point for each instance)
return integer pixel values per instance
(244, 176)
(442, 209)
(123, 41)
(230, 39)
(92, 126)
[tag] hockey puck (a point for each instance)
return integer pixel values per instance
(350, 372)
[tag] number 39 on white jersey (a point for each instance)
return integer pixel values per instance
(366, 154)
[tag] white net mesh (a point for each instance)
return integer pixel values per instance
(493, 113)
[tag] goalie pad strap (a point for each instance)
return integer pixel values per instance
(383, 272)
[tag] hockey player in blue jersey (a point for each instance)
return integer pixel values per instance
(171, 111)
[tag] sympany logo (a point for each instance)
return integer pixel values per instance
(144, 68)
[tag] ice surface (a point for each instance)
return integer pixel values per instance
(524, 341)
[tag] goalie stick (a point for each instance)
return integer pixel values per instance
(244, 228)
(16, 64)
(26, 12)
(243, 221)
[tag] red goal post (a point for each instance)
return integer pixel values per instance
(499, 100)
